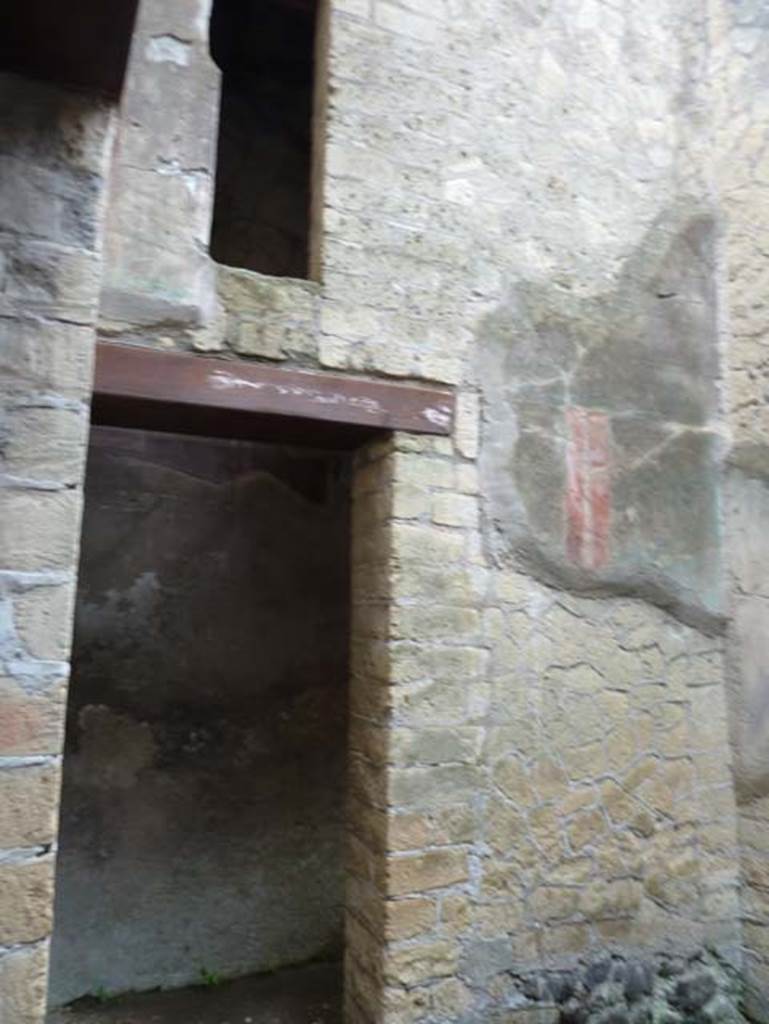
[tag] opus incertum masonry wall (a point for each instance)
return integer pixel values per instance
(558, 755)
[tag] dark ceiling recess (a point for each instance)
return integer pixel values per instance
(83, 44)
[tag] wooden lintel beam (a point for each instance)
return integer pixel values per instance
(150, 386)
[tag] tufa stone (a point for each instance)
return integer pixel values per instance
(693, 991)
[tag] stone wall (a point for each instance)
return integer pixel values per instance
(202, 805)
(156, 263)
(52, 165)
(523, 199)
(532, 221)
(543, 776)
(740, 74)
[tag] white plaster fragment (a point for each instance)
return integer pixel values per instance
(459, 191)
(168, 50)
(202, 17)
(441, 417)
(222, 379)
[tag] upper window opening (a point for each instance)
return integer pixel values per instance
(265, 52)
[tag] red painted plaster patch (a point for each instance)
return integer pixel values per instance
(588, 488)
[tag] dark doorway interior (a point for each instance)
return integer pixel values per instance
(299, 995)
(263, 174)
(202, 812)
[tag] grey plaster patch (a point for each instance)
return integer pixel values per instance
(600, 458)
(167, 49)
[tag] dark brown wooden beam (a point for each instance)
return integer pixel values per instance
(186, 393)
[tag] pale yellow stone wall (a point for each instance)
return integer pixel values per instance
(53, 162)
(537, 779)
(540, 765)
(559, 771)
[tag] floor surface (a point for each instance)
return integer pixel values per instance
(301, 995)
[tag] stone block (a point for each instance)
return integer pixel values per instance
(513, 779)
(507, 830)
(467, 426)
(610, 899)
(251, 295)
(46, 356)
(441, 367)
(457, 584)
(424, 703)
(408, 831)
(23, 982)
(31, 724)
(26, 900)
(412, 662)
(411, 543)
(367, 782)
(450, 999)
(423, 471)
(410, 747)
(359, 860)
(29, 203)
(484, 958)
(554, 902)
(455, 510)
(363, 948)
(57, 281)
(585, 828)
(333, 353)
(353, 323)
(435, 869)
(419, 963)
(256, 338)
(43, 620)
(433, 787)
(437, 621)
(495, 919)
(467, 481)
(456, 913)
(46, 444)
(29, 803)
(456, 824)
(407, 1006)
(39, 529)
(566, 938)
(405, 919)
(693, 991)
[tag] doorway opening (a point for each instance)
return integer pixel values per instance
(266, 53)
(200, 868)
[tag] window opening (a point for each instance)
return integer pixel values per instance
(265, 51)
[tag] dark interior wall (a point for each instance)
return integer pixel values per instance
(83, 44)
(203, 784)
(262, 199)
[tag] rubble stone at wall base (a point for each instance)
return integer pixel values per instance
(698, 989)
